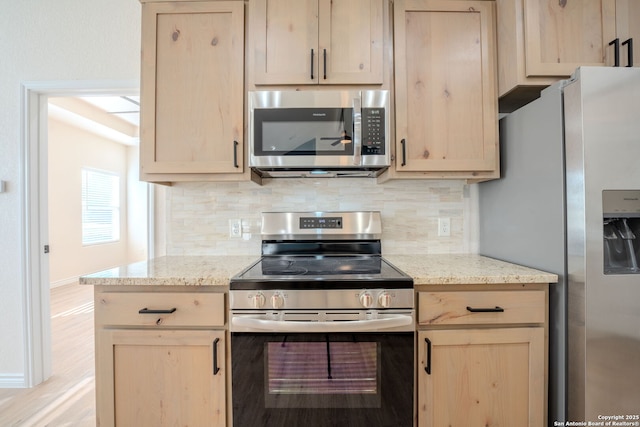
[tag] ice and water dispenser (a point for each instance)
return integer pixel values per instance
(621, 228)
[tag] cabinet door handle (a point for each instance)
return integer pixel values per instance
(324, 60)
(495, 309)
(616, 51)
(404, 152)
(147, 311)
(235, 154)
(312, 64)
(216, 369)
(629, 42)
(427, 367)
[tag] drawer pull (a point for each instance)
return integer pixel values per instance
(147, 311)
(427, 367)
(216, 369)
(496, 309)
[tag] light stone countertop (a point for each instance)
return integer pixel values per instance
(217, 270)
(173, 271)
(467, 269)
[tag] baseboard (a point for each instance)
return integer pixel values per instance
(62, 282)
(12, 381)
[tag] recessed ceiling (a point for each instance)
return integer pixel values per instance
(109, 116)
(125, 107)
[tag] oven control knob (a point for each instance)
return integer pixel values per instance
(258, 300)
(384, 299)
(277, 301)
(366, 299)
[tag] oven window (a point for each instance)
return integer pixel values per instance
(303, 131)
(322, 374)
(281, 379)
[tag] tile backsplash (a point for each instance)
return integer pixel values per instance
(198, 214)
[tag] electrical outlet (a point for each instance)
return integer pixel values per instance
(235, 227)
(444, 227)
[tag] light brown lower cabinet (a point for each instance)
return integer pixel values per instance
(479, 364)
(160, 359)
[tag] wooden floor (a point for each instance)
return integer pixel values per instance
(67, 398)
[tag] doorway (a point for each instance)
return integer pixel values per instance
(35, 239)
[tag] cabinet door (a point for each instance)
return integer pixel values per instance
(350, 41)
(285, 34)
(317, 41)
(192, 87)
(627, 27)
(481, 376)
(161, 378)
(563, 35)
(446, 96)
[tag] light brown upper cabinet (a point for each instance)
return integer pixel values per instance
(627, 24)
(542, 41)
(445, 85)
(192, 91)
(317, 41)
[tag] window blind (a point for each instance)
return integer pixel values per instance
(100, 207)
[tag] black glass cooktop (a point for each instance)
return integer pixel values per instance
(320, 271)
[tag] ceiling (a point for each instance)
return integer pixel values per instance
(112, 117)
(125, 107)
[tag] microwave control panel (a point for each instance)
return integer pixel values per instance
(373, 131)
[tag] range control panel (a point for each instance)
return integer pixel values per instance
(373, 131)
(315, 222)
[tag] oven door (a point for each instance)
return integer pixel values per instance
(322, 379)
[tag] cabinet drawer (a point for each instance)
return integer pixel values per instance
(160, 309)
(481, 307)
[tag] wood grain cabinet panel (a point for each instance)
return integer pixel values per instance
(163, 378)
(192, 93)
(486, 307)
(482, 356)
(195, 309)
(481, 377)
(166, 366)
(543, 41)
(317, 41)
(563, 35)
(627, 21)
(445, 85)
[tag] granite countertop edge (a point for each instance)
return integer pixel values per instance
(429, 269)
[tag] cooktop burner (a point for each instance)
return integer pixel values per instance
(320, 272)
(320, 265)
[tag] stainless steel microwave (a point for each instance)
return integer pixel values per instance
(319, 133)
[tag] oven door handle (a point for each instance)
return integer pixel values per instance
(383, 322)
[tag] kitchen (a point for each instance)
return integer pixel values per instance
(454, 199)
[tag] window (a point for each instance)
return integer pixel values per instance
(100, 207)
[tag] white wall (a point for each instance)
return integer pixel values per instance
(70, 150)
(48, 41)
(137, 208)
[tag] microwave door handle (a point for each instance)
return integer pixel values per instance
(357, 132)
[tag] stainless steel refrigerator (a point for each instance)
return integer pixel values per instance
(568, 202)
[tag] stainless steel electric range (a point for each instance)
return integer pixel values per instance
(322, 326)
